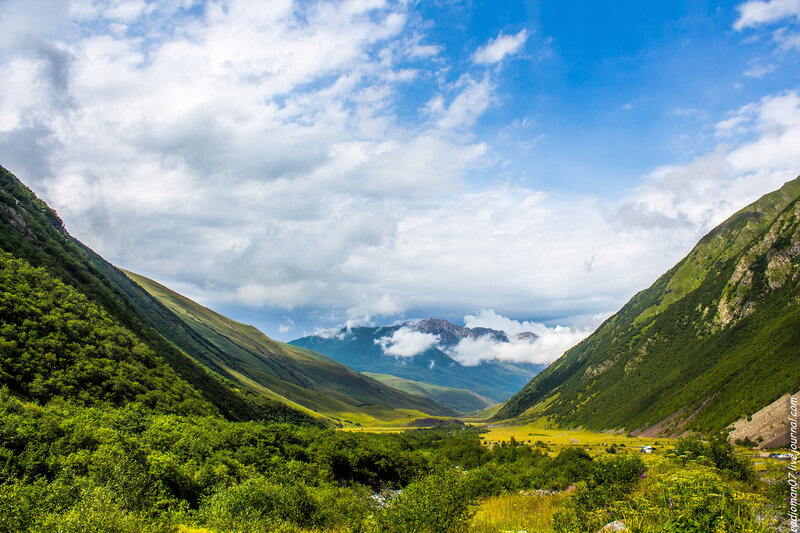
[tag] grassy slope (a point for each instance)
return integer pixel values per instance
(668, 350)
(463, 400)
(31, 231)
(301, 376)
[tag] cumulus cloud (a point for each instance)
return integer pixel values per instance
(549, 345)
(253, 154)
(499, 48)
(405, 342)
(758, 12)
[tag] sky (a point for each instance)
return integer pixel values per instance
(304, 165)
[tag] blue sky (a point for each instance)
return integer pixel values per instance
(303, 165)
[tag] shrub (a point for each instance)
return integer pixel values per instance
(437, 503)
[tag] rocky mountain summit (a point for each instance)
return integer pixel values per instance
(451, 334)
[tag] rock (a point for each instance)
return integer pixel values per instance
(616, 525)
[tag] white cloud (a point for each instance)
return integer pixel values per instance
(550, 344)
(405, 342)
(787, 40)
(499, 48)
(255, 153)
(286, 326)
(467, 106)
(760, 70)
(758, 12)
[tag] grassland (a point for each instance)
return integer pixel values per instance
(517, 512)
(536, 432)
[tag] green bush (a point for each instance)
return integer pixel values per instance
(437, 503)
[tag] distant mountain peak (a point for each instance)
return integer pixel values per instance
(451, 334)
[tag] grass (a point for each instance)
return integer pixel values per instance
(535, 432)
(517, 512)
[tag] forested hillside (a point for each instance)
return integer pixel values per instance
(31, 232)
(714, 340)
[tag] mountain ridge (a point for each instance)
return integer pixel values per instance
(287, 371)
(710, 342)
(361, 348)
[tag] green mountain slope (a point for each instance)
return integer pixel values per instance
(32, 232)
(463, 400)
(54, 342)
(302, 376)
(713, 340)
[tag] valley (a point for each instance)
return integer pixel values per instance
(132, 405)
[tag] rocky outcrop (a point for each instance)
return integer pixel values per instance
(450, 334)
(769, 427)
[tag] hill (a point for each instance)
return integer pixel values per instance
(462, 400)
(713, 340)
(100, 337)
(282, 371)
(364, 349)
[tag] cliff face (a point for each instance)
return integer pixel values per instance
(715, 339)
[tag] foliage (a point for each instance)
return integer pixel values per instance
(675, 495)
(437, 503)
(135, 469)
(718, 451)
(56, 343)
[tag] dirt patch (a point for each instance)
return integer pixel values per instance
(770, 424)
(673, 425)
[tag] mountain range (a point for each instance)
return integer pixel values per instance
(369, 349)
(713, 343)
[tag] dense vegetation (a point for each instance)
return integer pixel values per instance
(54, 342)
(712, 338)
(698, 486)
(130, 469)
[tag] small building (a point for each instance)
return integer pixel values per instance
(647, 449)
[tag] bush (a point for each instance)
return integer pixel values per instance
(437, 503)
(719, 452)
(672, 498)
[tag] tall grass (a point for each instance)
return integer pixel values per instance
(517, 512)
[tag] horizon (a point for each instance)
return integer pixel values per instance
(304, 165)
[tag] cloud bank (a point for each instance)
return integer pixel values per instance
(550, 344)
(288, 156)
